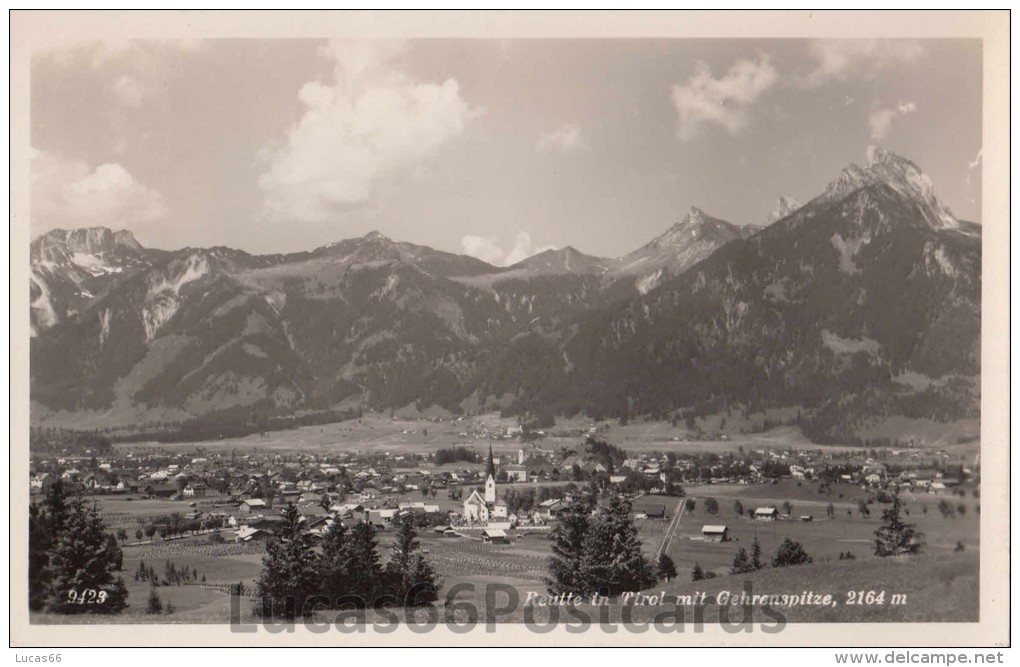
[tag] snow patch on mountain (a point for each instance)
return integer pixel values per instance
(162, 300)
(42, 306)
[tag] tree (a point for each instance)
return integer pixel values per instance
(568, 550)
(830, 510)
(790, 553)
(690, 505)
(82, 560)
(138, 535)
(122, 535)
(741, 562)
(666, 566)
(738, 508)
(697, 574)
(365, 574)
(40, 578)
(154, 605)
(335, 562)
(288, 575)
(756, 561)
(711, 506)
(613, 561)
(787, 507)
(409, 575)
(894, 536)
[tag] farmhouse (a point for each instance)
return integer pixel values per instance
(160, 490)
(715, 533)
(766, 514)
(251, 506)
(247, 534)
(494, 536)
(658, 512)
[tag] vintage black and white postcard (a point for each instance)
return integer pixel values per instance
(446, 328)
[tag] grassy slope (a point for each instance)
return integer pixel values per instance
(938, 588)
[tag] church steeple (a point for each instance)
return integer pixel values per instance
(490, 478)
(490, 468)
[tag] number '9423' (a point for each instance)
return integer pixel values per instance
(87, 596)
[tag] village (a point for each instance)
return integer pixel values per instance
(480, 495)
(485, 509)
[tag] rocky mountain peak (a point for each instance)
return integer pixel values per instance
(57, 244)
(899, 174)
(785, 205)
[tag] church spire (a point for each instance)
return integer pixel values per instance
(490, 468)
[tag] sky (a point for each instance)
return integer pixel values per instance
(495, 148)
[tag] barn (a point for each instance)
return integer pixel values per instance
(711, 533)
(494, 536)
(766, 514)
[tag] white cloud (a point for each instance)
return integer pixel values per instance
(725, 101)
(974, 164)
(563, 140)
(523, 249)
(977, 160)
(881, 120)
(70, 193)
(484, 248)
(369, 121)
(488, 249)
(840, 59)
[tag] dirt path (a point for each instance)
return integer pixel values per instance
(681, 506)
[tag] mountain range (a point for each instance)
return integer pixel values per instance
(860, 305)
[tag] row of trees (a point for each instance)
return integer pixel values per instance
(346, 571)
(72, 559)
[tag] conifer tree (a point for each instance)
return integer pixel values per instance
(666, 567)
(154, 605)
(568, 549)
(741, 562)
(365, 573)
(894, 536)
(697, 574)
(409, 575)
(756, 561)
(288, 570)
(790, 553)
(335, 562)
(613, 561)
(81, 561)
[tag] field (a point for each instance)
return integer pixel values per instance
(378, 433)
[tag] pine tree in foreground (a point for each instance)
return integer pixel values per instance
(409, 575)
(756, 562)
(568, 550)
(288, 576)
(697, 574)
(83, 564)
(666, 567)
(154, 605)
(613, 561)
(741, 562)
(894, 536)
(790, 553)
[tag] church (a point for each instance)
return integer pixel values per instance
(479, 508)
